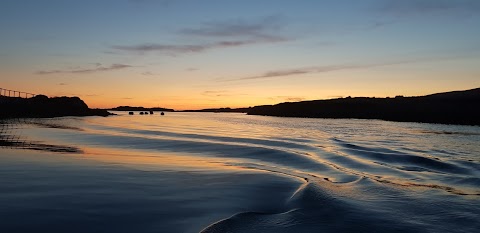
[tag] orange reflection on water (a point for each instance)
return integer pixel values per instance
(158, 161)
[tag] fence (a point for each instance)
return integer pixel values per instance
(13, 93)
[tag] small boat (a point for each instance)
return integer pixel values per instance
(130, 113)
(141, 113)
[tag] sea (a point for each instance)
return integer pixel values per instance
(231, 172)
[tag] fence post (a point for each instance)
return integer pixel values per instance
(13, 93)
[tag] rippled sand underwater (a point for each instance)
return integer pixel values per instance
(192, 172)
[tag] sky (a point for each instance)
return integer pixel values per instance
(192, 54)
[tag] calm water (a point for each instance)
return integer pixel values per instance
(189, 172)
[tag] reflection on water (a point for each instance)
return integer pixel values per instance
(261, 174)
(10, 137)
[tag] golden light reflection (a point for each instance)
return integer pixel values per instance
(158, 161)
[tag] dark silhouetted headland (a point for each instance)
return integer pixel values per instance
(41, 106)
(456, 107)
(129, 108)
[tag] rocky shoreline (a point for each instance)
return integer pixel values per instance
(456, 107)
(41, 106)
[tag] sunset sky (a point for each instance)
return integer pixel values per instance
(196, 54)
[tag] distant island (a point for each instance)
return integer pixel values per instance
(238, 110)
(40, 106)
(129, 108)
(456, 107)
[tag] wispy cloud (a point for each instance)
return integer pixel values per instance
(190, 48)
(295, 99)
(220, 93)
(227, 34)
(315, 69)
(98, 68)
(330, 68)
(148, 73)
(287, 98)
(263, 28)
(298, 71)
(142, 48)
(415, 7)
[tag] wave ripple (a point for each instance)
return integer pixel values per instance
(353, 175)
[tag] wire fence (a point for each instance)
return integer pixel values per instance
(13, 93)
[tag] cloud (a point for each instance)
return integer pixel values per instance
(233, 33)
(378, 24)
(148, 73)
(322, 69)
(215, 93)
(142, 48)
(329, 68)
(299, 71)
(287, 98)
(238, 28)
(294, 99)
(98, 68)
(415, 7)
(220, 93)
(191, 48)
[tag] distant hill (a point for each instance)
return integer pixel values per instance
(456, 107)
(41, 106)
(129, 108)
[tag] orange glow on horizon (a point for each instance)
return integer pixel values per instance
(104, 90)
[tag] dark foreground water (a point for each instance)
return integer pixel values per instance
(186, 172)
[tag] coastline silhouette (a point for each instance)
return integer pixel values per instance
(456, 107)
(41, 106)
